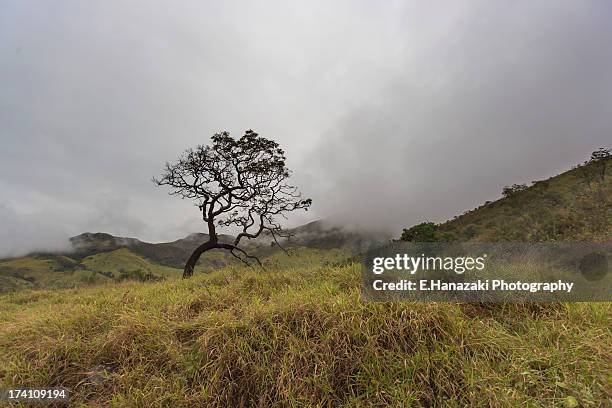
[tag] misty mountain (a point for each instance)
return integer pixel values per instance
(319, 234)
(171, 254)
(103, 258)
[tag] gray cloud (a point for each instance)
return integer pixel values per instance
(21, 233)
(503, 97)
(389, 114)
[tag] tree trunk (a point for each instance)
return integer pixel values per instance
(193, 259)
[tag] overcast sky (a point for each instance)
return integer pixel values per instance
(391, 113)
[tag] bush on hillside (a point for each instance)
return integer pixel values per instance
(509, 191)
(138, 275)
(423, 232)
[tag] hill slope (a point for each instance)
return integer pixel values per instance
(575, 205)
(298, 334)
(49, 271)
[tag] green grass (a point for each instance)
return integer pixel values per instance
(299, 334)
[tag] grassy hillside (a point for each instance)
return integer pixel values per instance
(40, 272)
(48, 271)
(575, 205)
(59, 271)
(298, 334)
(122, 264)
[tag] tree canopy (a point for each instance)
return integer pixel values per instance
(239, 183)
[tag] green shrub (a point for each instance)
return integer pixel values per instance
(423, 232)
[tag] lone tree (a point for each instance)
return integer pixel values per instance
(235, 182)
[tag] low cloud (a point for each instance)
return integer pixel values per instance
(35, 232)
(501, 98)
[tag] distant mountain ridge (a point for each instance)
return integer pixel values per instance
(103, 258)
(165, 253)
(317, 234)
